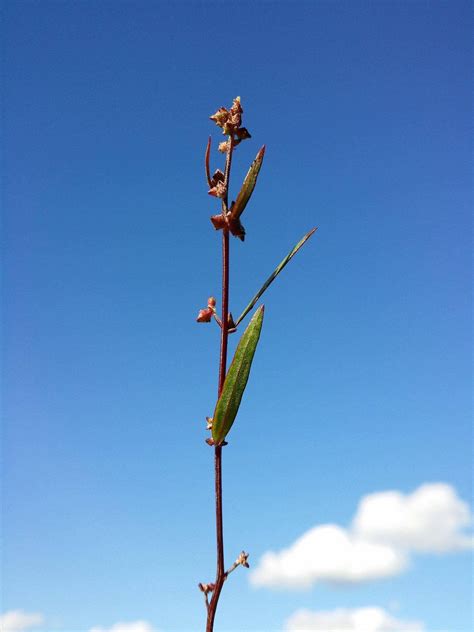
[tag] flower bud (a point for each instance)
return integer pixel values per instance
(236, 106)
(220, 117)
(218, 176)
(205, 315)
(242, 134)
(218, 190)
(218, 221)
(235, 114)
(242, 559)
(211, 302)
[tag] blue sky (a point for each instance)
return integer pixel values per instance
(361, 380)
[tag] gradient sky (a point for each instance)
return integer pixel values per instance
(361, 382)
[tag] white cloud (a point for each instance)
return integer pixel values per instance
(327, 553)
(17, 621)
(134, 626)
(370, 619)
(387, 528)
(430, 519)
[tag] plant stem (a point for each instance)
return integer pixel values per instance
(225, 310)
(220, 575)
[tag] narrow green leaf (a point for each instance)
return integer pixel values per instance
(274, 274)
(236, 379)
(248, 186)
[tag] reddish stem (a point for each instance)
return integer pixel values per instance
(225, 310)
(220, 575)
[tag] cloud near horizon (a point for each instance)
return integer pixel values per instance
(387, 528)
(134, 626)
(19, 621)
(370, 619)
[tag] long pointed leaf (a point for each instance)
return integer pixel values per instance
(248, 186)
(236, 379)
(274, 274)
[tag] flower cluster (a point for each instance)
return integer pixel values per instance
(230, 122)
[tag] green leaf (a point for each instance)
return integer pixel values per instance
(236, 379)
(274, 274)
(248, 186)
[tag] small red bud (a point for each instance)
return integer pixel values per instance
(205, 315)
(218, 221)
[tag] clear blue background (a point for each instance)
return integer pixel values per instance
(361, 380)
